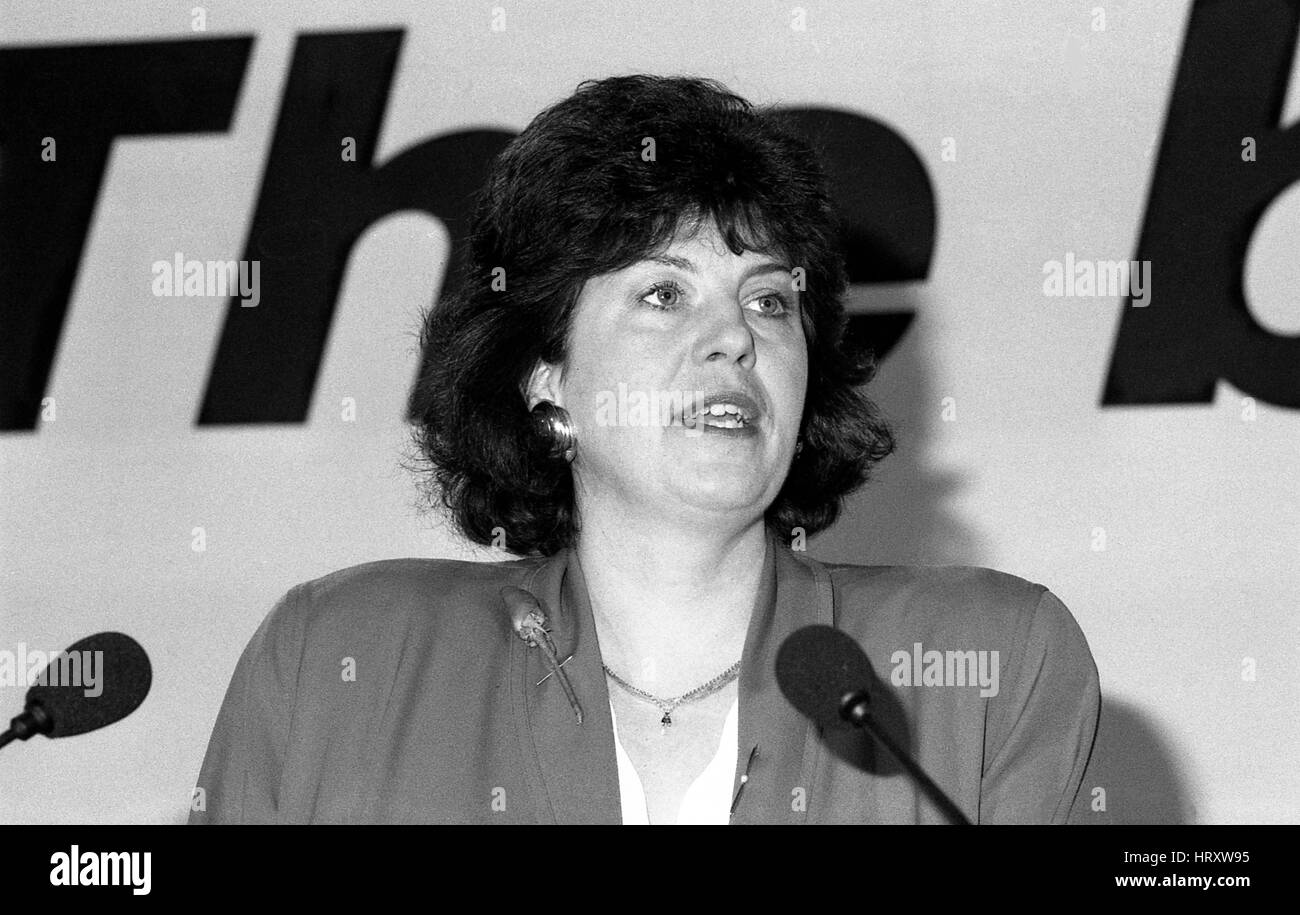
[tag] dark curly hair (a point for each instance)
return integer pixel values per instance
(573, 197)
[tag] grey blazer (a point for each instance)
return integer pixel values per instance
(441, 719)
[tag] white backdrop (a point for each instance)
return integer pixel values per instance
(1055, 127)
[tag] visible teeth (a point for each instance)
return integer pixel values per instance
(735, 416)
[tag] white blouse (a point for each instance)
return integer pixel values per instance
(706, 803)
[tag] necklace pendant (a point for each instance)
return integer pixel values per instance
(666, 721)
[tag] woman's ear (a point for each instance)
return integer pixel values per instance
(544, 384)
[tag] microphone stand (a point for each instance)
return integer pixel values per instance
(35, 720)
(856, 709)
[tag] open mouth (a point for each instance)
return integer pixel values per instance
(724, 410)
(722, 415)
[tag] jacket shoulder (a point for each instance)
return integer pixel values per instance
(389, 600)
(961, 601)
(964, 583)
(387, 581)
(962, 608)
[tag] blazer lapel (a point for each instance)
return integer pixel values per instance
(571, 768)
(797, 592)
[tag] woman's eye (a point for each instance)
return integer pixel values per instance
(663, 296)
(772, 304)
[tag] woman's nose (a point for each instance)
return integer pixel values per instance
(726, 335)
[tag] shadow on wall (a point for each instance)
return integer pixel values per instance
(1137, 771)
(904, 517)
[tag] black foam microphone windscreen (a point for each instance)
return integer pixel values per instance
(122, 676)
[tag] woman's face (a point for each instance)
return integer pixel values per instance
(648, 345)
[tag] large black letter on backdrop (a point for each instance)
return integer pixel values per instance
(81, 96)
(312, 209)
(885, 204)
(1205, 203)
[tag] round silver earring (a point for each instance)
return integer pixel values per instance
(798, 445)
(553, 426)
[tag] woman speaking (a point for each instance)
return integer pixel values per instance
(639, 387)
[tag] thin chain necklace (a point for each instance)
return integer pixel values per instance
(667, 705)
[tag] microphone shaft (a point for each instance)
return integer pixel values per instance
(859, 713)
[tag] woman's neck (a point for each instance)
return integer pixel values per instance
(671, 605)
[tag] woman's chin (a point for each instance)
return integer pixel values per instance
(721, 492)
